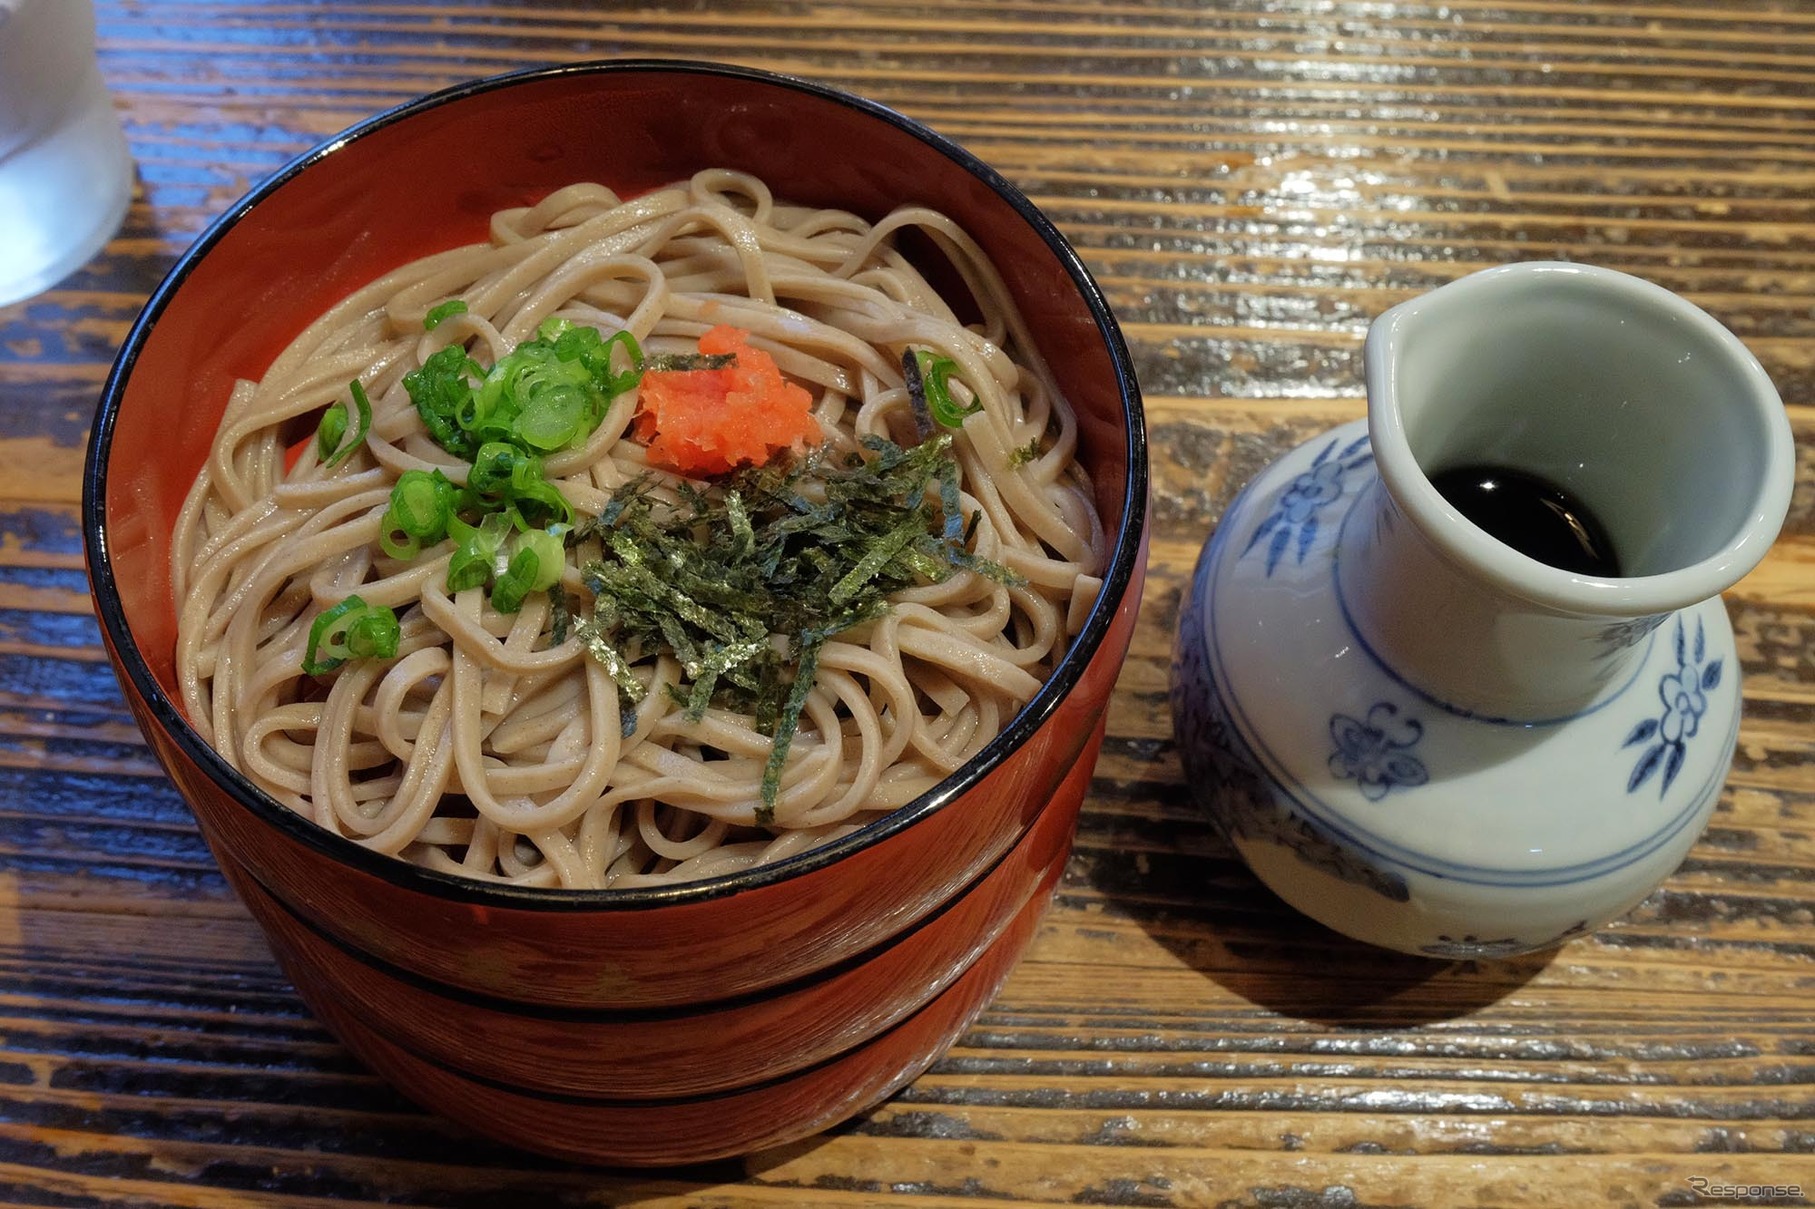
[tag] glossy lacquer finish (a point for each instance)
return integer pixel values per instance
(628, 1053)
(464, 994)
(663, 1132)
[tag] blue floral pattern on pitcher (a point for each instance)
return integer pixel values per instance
(1296, 512)
(1471, 946)
(1629, 632)
(1375, 752)
(1227, 779)
(1684, 693)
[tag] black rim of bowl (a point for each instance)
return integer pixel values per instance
(1116, 579)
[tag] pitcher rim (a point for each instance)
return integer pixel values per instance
(1567, 591)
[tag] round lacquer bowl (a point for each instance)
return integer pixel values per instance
(552, 1018)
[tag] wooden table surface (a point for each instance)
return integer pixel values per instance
(1251, 182)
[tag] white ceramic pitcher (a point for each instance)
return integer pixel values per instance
(1428, 740)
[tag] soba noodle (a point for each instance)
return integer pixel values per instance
(488, 749)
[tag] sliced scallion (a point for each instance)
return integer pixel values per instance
(363, 406)
(550, 554)
(936, 374)
(442, 311)
(472, 563)
(422, 503)
(351, 629)
(373, 634)
(331, 431)
(511, 585)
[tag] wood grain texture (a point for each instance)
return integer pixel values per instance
(1251, 183)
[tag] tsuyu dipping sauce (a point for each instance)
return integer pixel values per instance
(1532, 515)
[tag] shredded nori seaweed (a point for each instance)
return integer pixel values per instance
(745, 584)
(684, 362)
(560, 615)
(1021, 455)
(916, 392)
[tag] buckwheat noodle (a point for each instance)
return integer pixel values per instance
(484, 749)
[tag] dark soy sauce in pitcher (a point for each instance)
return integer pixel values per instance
(1532, 515)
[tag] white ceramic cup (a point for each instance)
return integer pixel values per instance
(65, 172)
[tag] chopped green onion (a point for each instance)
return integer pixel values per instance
(548, 394)
(936, 379)
(476, 556)
(510, 587)
(537, 559)
(494, 469)
(364, 426)
(331, 443)
(351, 629)
(552, 418)
(331, 431)
(441, 311)
(550, 553)
(373, 634)
(422, 502)
(395, 542)
(439, 390)
(539, 506)
(621, 381)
